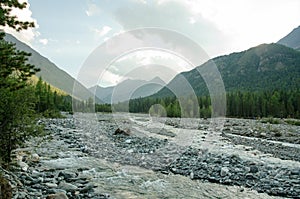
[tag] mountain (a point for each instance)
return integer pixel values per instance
(128, 89)
(265, 67)
(102, 92)
(50, 72)
(292, 40)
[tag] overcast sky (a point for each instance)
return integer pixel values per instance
(67, 31)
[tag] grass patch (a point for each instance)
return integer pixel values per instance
(293, 122)
(271, 120)
(52, 113)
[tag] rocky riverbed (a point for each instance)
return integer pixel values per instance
(80, 157)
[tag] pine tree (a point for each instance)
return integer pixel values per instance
(16, 96)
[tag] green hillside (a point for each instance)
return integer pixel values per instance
(262, 68)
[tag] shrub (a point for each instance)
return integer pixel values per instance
(271, 120)
(293, 122)
(51, 113)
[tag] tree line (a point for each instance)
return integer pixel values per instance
(277, 103)
(49, 102)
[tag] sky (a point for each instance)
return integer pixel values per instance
(67, 32)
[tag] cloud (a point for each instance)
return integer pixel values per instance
(103, 31)
(109, 79)
(43, 41)
(145, 65)
(25, 15)
(219, 26)
(174, 15)
(250, 22)
(92, 10)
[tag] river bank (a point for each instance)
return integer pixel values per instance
(81, 157)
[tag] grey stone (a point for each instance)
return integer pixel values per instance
(48, 180)
(84, 176)
(35, 157)
(36, 174)
(67, 174)
(22, 195)
(23, 165)
(89, 187)
(224, 171)
(130, 151)
(253, 169)
(35, 193)
(29, 189)
(128, 141)
(37, 186)
(295, 172)
(54, 191)
(250, 176)
(51, 185)
(67, 186)
(60, 195)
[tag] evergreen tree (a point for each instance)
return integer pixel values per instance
(17, 98)
(10, 20)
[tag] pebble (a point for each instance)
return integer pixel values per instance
(87, 188)
(57, 196)
(35, 158)
(51, 185)
(67, 174)
(253, 169)
(224, 171)
(23, 165)
(67, 186)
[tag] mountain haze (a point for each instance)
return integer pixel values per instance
(128, 89)
(50, 72)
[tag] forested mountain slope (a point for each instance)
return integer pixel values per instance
(261, 68)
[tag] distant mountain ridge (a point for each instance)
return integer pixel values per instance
(264, 67)
(50, 72)
(128, 89)
(292, 40)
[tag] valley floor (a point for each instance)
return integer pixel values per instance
(161, 158)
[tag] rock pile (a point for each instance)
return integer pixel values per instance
(56, 184)
(32, 179)
(232, 170)
(136, 144)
